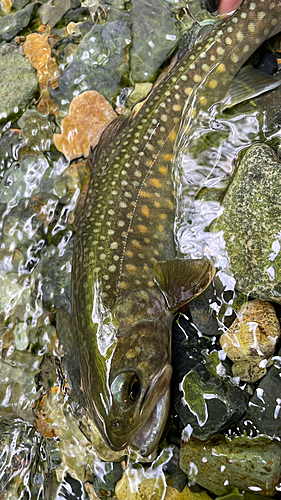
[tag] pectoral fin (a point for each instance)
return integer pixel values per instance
(180, 280)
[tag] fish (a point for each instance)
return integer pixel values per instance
(127, 281)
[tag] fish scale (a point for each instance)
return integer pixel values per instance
(127, 223)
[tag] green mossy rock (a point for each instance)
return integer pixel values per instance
(222, 464)
(251, 223)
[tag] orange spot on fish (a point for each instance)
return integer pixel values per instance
(144, 194)
(173, 136)
(156, 183)
(163, 170)
(145, 211)
(142, 228)
(136, 244)
(132, 269)
(123, 285)
(169, 157)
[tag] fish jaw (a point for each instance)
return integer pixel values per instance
(148, 436)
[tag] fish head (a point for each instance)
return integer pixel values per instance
(139, 374)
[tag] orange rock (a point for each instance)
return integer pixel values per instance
(37, 49)
(5, 7)
(89, 114)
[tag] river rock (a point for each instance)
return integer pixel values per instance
(12, 23)
(263, 415)
(251, 224)
(155, 36)
(152, 488)
(222, 464)
(203, 395)
(98, 64)
(203, 315)
(251, 339)
(18, 82)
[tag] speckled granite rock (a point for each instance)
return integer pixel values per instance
(249, 464)
(251, 224)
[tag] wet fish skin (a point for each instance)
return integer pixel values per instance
(121, 319)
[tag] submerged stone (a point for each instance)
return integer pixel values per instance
(36, 130)
(263, 414)
(251, 223)
(155, 36)
(14, 22)
(18, 82)
(98, 64)
(222, 464)
(89, 115)
(204, 397)
(251, 339)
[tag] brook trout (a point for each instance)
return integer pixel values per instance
(126, 281)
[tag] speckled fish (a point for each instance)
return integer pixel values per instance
(126, 281)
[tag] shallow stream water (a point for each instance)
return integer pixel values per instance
(44, 451)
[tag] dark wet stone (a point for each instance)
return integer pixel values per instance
(202, 398)
(107, 477)
(12, 23)
(71, 489)
(173, 466)
(18, 82)
(223, 464)
(76, 15)
(251, 219)
(203, 316)
(178, 480)
(264, 411)
(155, 36)
(98, 64)
(60, 7)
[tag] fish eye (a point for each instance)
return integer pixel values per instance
(126, 388)
(134, 388)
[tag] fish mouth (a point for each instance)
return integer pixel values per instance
(158, 397)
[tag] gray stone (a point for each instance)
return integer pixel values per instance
(251, 224)
(155, 36)
(18, 83)
(11, 24)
